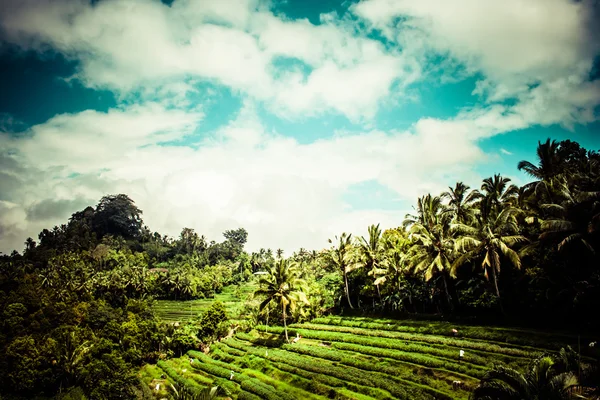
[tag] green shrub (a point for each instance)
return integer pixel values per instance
(170, 371)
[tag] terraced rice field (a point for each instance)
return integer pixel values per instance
(178, 311)
(360, 358)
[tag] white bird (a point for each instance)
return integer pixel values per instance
(231, 376)
(297, 338)
(462, 353)
(157, 388)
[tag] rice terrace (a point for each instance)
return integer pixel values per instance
(355, 358)
(300, 199)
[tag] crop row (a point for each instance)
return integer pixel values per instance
(248, 396)
(408, 353)
(430, 339)
(247, 383)
(170, 371)
(469, 358)
(320, 384)
(518, 336)
(414, 358)
(324, 372)
(398, 387)
(367, 363)
(255, 366)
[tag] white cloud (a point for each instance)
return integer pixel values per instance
(127, 44)
(515, 44)
(505, 152)
(286, 194)
(536, 38)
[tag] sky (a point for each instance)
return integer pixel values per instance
(296, 119)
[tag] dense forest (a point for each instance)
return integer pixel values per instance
(76, 304)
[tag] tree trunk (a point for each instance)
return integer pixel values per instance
(347, 289)
(498, 291)
(447, 292)
(267, 326)
(285, 325)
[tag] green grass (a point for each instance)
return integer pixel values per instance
(358, 358)
(232, 298)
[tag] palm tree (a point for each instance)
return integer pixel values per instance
(279, 253)
(432, 253)
(433, 248)
(460, 202)
(496, 194)
(573, 218)
(549, 162)
(342, 258)
(547, 378)
(371, 250)
(29, 244)
(395, 259)
(284, 286)
(428, 208)
(487, 239)
(182, 392)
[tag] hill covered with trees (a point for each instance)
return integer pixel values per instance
(76, 305)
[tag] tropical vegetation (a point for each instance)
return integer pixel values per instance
(101, 307)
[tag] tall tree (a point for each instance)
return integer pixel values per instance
(433, 251)
(118, 215)
(547, 378)
(371, 250)
(342, 259)
(284, 286)
(428, 210)
(460, 202)
(489, 238)
(573, 219)
(497, 193)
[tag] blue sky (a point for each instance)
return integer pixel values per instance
(296, 120)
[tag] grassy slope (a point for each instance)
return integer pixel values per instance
(348, 358)
(361, 358)
(178, 311)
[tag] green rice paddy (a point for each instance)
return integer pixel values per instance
(355, 358)
(179, 311)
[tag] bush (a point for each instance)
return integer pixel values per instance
(212, 323)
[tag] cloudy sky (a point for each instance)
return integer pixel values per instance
(295, 119)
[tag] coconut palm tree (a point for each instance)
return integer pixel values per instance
(284, 286)
(497, 193)
(573, 218)
(371, 250)
(460, 202)
(547, 378)
(549, 162)
(433, 252)
(342, 259)
(428, 210)
(487, 240)
(182, 392)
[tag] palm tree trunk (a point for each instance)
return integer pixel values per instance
(498, 291)
(285, 325)
(347, 290)
(379, 294)
(447, 292)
